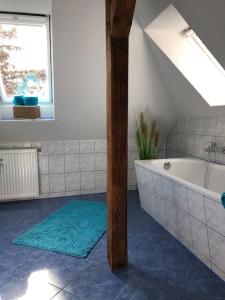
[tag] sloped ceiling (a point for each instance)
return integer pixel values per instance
(206, 17)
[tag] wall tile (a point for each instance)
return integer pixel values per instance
(220, 157)
(174, 129)
(146, 192)
(189, 144)
(57, 183)
(216, 270)
(73, 193)
(162, 211)
(56, 164)
(72, 181)
(193, 143)
(180, 142)
(206, 142)
(132, 146)
(184, 226)
(62, 157)
(100, 146)
(200, 237)
(172, 142)
(57, 195)
(181, 125)
(132, 187)
(87, 162)
(87, 180)
(132, 177)
(56, 147)
(72, 163)
(87, 146)
(22, 145)
(215, 215)
(44, 184)
(180, 196)
(6, 146)
(171, 213)
(42, 196)
(186, 244)
(199, 126)
(203, 259)
(210, 124)
(132, 156)
(87, 192)
(72, 147)
(196, 205)
(217, 249)
(100, 161)
(43, 146)
(199, 142)
(220, 128)
(157, 182)
(100, 180)
(43, 165)
(168, 189)
(189, 125)
(98, 191)
(153, 200)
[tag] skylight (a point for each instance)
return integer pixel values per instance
(189, 54)
(198, 45)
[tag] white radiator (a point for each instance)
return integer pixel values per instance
(18, 174)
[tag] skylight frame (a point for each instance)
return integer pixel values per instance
(188, 55)
(197, 43)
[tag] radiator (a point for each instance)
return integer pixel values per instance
(18, 174)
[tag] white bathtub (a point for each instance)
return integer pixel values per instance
(179, 201)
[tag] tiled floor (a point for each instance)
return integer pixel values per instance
(160, 268)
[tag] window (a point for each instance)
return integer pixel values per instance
(189, 54)
(25, 57)
(203, 51)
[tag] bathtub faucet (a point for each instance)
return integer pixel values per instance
(213, 148)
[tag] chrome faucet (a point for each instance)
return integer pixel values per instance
(214, 148)
(1, 162)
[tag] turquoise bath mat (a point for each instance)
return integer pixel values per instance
(72, 230)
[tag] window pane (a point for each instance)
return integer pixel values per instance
(24, 61)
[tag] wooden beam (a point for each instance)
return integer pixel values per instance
(118, 23)
(121, 17)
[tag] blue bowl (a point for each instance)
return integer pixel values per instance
(31, 101)
(18, 100)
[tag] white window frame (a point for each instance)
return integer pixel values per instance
(32, 20)
(195, 41)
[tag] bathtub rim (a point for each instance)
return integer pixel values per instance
(187, 184)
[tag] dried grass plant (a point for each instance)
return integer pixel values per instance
(147, 136)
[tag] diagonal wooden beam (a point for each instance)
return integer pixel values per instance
(118, 23)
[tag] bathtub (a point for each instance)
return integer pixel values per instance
(191, 211)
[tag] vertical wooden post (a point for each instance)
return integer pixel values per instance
(118, 22)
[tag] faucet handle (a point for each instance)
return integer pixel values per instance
(212, 143)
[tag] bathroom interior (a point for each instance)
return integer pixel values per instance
(100, 199)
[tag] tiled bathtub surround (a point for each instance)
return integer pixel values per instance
(74, 167)
(190, 136)
(195, 220)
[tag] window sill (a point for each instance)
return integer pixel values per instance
(47, 114)
(8, 119)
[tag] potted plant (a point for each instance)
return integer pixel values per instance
(147, 137)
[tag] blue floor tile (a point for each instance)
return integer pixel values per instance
(160, 268)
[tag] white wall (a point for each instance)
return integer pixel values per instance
(26, 6)
(146, 86)
(80, 78)
(207, 19)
